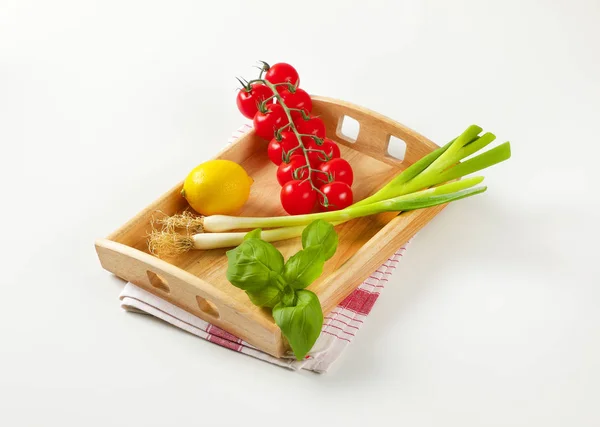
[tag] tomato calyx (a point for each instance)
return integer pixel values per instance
(306, 136)
(322, 156)
(263, 107)
(297, 172)
(244, 83)
(287, 155)
(279, 132)
(301, 112)
(335, 195)
(265, 66)
(328, 176)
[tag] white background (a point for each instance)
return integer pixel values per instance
(492, 319)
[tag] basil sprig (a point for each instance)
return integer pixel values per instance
(258, 268)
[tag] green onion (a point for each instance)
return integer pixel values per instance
(417, 200)
(436, 167)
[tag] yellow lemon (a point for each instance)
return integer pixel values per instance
(217, 187)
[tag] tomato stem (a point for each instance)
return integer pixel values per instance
(268, 99)
(287, 156)
(295, 173)
(263, 68)
(292, 126)
(318, 140)
(305, 116)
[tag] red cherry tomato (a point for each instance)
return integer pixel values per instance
(282, 73)
(312, 126)
(337, 169)
(285, 171)
(321, 153)
(298, 99)
(248, 99)
(277, 150)
(298, 197)
(297, 115)
(330, 150)
(265, 124)
(313, 158)
(339, 196)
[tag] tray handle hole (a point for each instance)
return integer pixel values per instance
(348, 128)
(207, 307)
(158, 282)
(396, 148)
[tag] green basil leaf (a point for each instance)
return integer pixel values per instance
(269, 296)
(304, 267)
(288, 296)
(254, 265)
(254, 234)
(301, 324)
(320, 233)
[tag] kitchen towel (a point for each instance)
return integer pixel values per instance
(339, 326)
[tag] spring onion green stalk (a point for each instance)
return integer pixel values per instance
(442, 165)
(418, 200)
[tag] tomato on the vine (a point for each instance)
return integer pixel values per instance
(312, 126)
(298, 197)
(338, 169)
(285, 171)
(265, 124)
(331, 149)
(249, 99)
(277, 150)
(313, 158)
(299, 99)
(339, 196)
(321, 153)
(282, 73)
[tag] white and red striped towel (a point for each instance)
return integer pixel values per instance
(339, 327)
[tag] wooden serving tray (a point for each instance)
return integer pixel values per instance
(196, 282)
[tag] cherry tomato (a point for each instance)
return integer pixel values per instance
(298, 99)
(297, 115)
(339, 196)
(277, 150)
(298, 197)
(265, 124)
(312, 126)
(248, 100)
(313, 158)
(285, 171)
(281, 73)
(321, 153)
(331, 149)
(338, 170)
